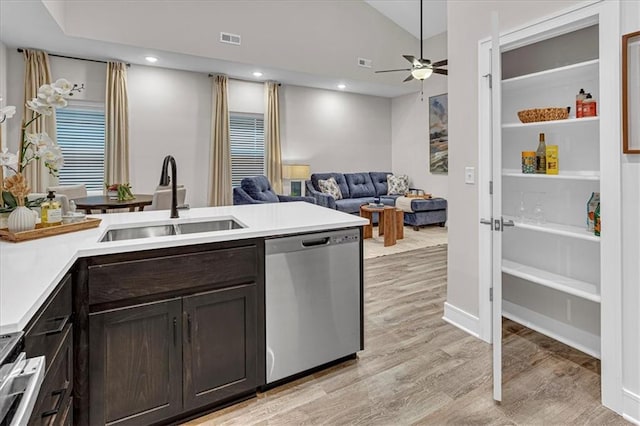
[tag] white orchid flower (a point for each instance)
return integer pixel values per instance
(40, 107)
(7, 112)
(62, 86)
(52, 157)
(57, 100)
(45, 91)
(8, 159)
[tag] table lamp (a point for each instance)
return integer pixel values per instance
(296, 173)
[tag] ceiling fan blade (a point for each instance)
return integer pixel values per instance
(412, 59)
(405, 69)
(440, 63)
(440, 71)
(408, 78)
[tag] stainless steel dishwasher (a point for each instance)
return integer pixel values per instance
(313, 300)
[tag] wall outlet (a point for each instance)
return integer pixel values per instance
(470, 175)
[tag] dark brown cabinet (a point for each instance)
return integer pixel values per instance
(168, 333)
(50, 334)
(136, 364)
(220, 345)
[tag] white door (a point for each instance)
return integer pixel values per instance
(496, 209)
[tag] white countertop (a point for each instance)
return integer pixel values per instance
(30, 270)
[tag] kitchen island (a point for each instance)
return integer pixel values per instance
(157, 294)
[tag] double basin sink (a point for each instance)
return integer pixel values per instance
(170, 229)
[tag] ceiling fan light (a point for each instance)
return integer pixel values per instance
(422, 73)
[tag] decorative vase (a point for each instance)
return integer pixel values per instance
(21, 219)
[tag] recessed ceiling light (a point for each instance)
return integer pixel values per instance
(342, 86)
(151, 59)
(257, 74)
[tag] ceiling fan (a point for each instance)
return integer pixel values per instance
(421, 69)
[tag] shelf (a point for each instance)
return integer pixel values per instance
(557, 229)
(582, 340)
(580, 72)
(555, 123)
(592, 175)
(561, 283)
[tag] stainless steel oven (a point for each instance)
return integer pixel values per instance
(20, 380)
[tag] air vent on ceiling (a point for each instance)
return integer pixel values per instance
(230, 38)
(366, 63)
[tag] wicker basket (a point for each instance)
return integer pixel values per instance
(543, 114)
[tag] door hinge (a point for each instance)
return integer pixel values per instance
(491, 187)
(491, 294)
(490, 80)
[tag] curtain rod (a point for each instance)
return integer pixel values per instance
(20, 50)
(243, 79)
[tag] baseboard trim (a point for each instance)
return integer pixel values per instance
(461, 319)
(631, 406)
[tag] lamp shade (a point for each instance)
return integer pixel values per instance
(296, 171)
(422, 73)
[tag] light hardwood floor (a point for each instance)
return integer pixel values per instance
(417, 369)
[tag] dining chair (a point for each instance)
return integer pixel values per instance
(71, 191)
(162, 198)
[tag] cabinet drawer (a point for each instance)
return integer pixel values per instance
(56, 389)
(140, 278)
(45, 333)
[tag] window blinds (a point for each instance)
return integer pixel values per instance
(80, 135)
(247, 147)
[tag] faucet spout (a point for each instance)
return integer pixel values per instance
(164, 181)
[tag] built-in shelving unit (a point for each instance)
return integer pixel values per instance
(558, 282)
(569, 175)
(553, 77)
(552, 124)
(569, 231)
(551, 270)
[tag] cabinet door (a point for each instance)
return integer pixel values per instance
(220, 351)
(135, 364)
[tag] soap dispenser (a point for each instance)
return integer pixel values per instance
(51, 211)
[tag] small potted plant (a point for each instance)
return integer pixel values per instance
(119, 191)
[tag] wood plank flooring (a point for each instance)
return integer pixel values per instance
(417, 369)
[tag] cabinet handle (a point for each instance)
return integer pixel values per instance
(189, 327)
(62, 323)
(175, 331)
(53, 412)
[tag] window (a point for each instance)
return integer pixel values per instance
(247, 146)
(80, 135)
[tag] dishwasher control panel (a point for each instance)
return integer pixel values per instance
(342, 239)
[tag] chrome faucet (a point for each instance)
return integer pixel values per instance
(164, 181)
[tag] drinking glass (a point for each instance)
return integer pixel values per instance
(538, 210)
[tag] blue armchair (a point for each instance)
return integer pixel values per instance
(257, 190)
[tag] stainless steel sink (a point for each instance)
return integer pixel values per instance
(172, 229)
(138, 232)
(209, 226)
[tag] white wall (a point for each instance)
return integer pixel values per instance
(335, 131)
(630, 22)
(410, 126)
(3, 89)
(169, 114)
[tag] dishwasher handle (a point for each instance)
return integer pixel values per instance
(315, 242)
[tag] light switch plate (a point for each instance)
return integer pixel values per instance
(470, 175)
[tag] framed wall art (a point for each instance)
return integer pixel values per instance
(438, 134)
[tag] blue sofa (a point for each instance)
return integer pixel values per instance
(257, 190)
(368, 187)
(356, 188)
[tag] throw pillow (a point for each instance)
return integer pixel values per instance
(330, 186)
(397, 184)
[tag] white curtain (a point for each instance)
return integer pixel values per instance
(220, 163)
(272, 136)
(36, 73)
(116, 129)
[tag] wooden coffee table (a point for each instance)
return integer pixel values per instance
(390, 223)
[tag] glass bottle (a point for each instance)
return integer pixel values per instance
(51, 211)
(541, 156)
